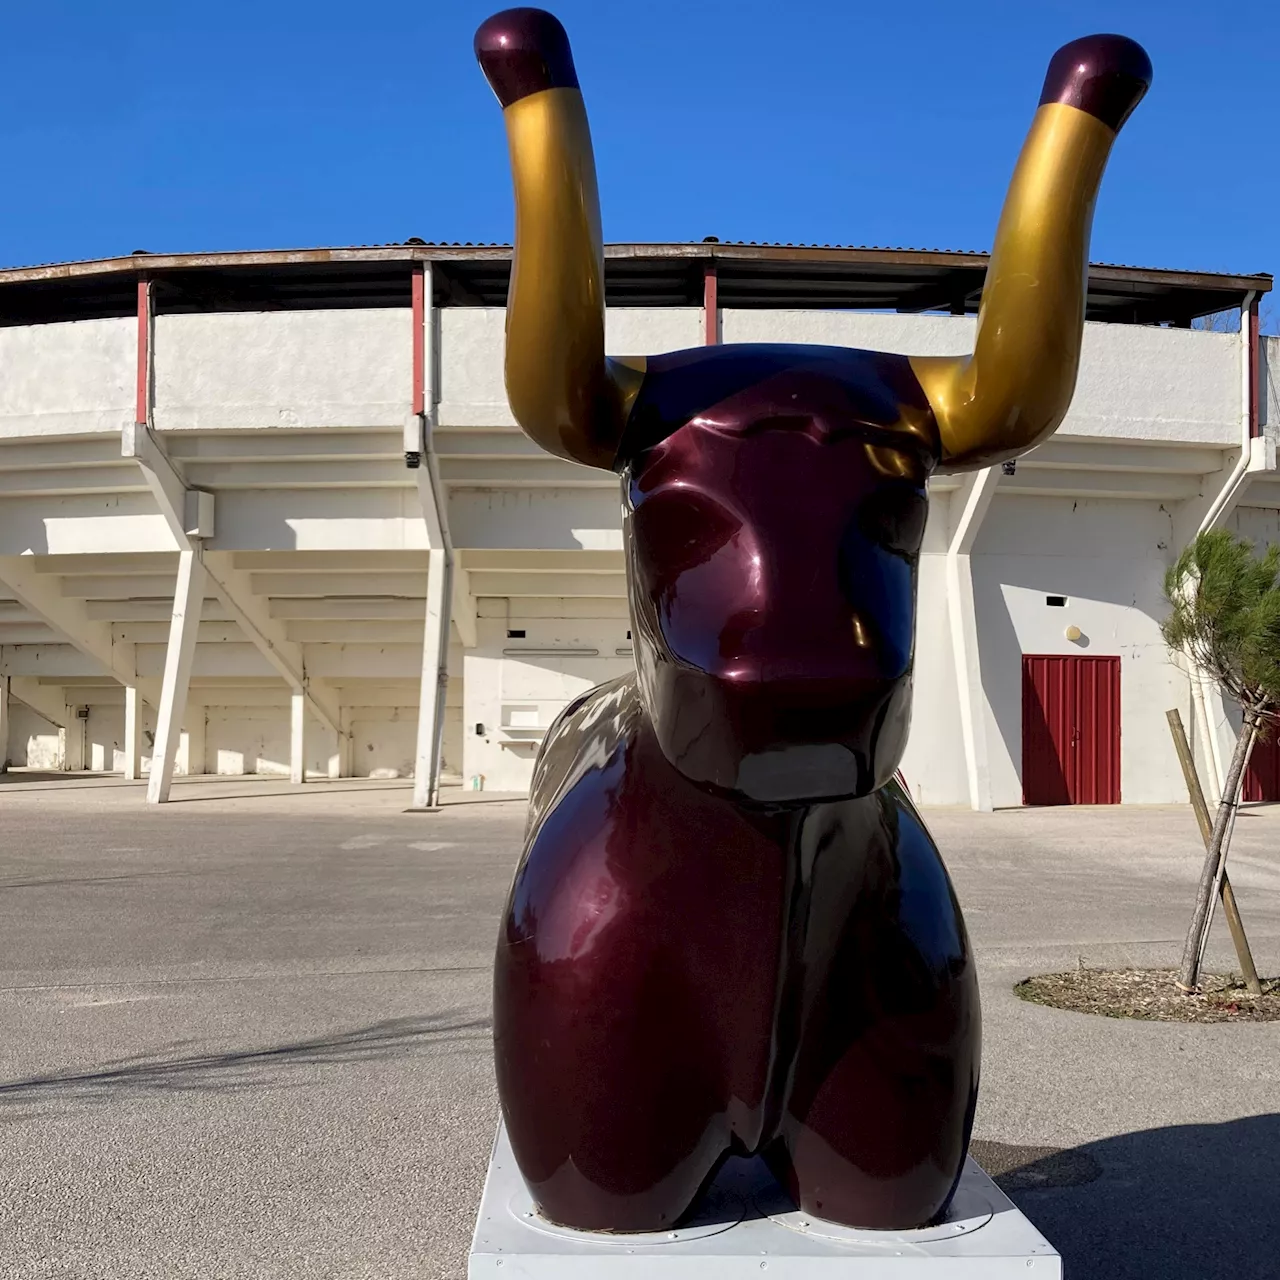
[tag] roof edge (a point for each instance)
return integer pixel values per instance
(138, 264)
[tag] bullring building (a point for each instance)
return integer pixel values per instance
(270, 513)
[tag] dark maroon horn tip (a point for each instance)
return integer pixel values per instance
(1103, 75)
(524, 51)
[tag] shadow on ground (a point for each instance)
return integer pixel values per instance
(247, 1068)
(1189, 1202)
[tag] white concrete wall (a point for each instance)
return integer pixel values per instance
(255, 739)
(67, 379)
(351, 369)
(1108, 559)
(472, 391)
(33, 741)
(283, 369)
(512, 697)
(548, 519)
(1135, 382)
(319, 520)
(934, 763)
(75, 524)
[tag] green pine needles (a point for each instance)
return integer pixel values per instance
(1224, 618)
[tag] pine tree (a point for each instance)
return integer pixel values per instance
(1225, 618)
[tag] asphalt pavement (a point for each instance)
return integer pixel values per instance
(248, 1034)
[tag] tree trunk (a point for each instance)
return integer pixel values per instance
(1248, 970)
(1191, 951)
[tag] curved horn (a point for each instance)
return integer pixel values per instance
(564, 393)
(1016, 387)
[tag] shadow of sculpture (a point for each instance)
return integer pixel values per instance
(1186, 1202)
(240, 1069)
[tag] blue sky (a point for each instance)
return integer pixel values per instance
(174, 127)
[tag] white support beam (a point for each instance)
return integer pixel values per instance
(536, 471)
(132, 733)
(314, 444)
(1107, 454)
(443, 571)
(167, 486)
(346, 746)
(71, 743)
(107, 586)
(298, 739)
(4, 724)
(352, 631)
(435, 675)
(1049, 482)
(334, 561)
(110, 562)
(39, 595)
(526, 560)
(63, 482)
(179, 657)
(48, 701)
(258, 621)
(409, 585)
(969, 507)
(189, 513)
(301, 473)
(607, 586)
(318, 609)
(463, 606)
(197, 720)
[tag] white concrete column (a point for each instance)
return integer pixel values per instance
(346, 745)
(196, 719)
(184, 627)
(337, 755)
(298, 739)
(433, 498)
(71, 741)
(435, 658)
(4, 724)
(132, 733)
(969, 506)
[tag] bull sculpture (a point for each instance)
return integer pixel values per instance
(730, 931)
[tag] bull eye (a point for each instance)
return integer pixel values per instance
(893, 517)
(677, 528)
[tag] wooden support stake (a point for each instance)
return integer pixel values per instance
(1180, 744)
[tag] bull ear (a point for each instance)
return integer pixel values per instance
(1016, 387)
(565, 394)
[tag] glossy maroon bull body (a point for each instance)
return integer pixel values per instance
(730, 931)
(728, 934)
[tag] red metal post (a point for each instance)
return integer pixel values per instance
(1251, 329)
(710, 305)
(419, 338)
(142, 403)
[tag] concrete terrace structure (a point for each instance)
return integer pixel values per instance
(253, 505)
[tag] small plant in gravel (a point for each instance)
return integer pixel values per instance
(1224, 617)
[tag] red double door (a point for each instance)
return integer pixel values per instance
(1070, 729)
(1262, 779)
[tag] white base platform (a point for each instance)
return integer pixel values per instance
(747, 1227)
